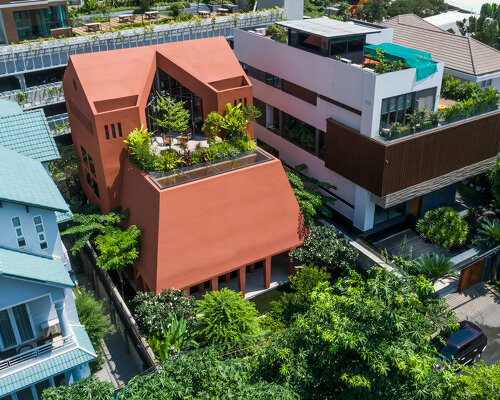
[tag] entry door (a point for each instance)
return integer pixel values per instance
(471, 275)
(416, 206)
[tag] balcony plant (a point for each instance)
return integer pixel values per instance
(443, 227)
(170, 114)
(384, 66)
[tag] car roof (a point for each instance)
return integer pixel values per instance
(463, 336)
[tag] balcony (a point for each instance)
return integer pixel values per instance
(26, 352)
(38, 96)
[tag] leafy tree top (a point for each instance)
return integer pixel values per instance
(118, 248)
(233, 124)
(171, 114)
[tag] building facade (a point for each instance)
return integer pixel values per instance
(324, 105)
(42, 343)
(197, 233)
(27, 20)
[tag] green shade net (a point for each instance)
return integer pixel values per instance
(420, 60)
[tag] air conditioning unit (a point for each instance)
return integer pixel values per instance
(261, 31)
(51, 328)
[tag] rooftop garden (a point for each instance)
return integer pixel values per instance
(226, 137)
(463, 100)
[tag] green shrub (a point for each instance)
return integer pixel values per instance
(87, 388)
(278, 33)
(443, 227)
(91, 316)
(326, 247)
(488, 234)
(494, 180)
(433, 267)
(150, 310)
(171, 339)
(225, 317)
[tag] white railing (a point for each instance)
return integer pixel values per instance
(37, 96)
(38, 55)
(37, 351)
(59, 124)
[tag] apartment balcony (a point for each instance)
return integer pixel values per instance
(37, 96)
(36, 349)
(399, 170)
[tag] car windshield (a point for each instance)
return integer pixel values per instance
(449, 351)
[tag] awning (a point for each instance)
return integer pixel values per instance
(420, 60)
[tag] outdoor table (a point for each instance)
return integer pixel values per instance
(93, 26)
(223, 11)
(125, 17)
(204, 13)
(151, 14)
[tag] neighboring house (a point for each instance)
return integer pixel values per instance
(472, 6)
(323, 105)
(29, 202)
(27, 20)
(194, 233)
(463, 57)
(42, 343)
(448, 20)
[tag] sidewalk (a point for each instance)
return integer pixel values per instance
(472, 301)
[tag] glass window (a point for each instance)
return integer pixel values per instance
(25, 394)
(41, 386)
(120, 129)
(338, 48)
(299, 133)
(310, 42)
(91, 165)
(6, 331)
(39, 229)
(60, 380)
(113, 131)
(16, 222)
(23, 322)
(9, 397)
(356, 45)
(106, 132)
(273, 81)
(321, 145)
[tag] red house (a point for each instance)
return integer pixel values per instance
(199, 226)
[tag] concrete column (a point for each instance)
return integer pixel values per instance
(291, 267)
(227, 278)
(242, 271)
(364, 209)
(267, 272)
(201, 287)
(214, 284)
(251, 268)
(63, 318)
(77, 374)
(22, 81)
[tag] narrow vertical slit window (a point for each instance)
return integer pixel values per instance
(120, 129)
(113, 131)
(106, 131)
(16, 222)
(40, 231)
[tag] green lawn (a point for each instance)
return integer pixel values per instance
(262, 302)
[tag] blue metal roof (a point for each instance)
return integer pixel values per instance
(44, 369)
(8, 107)
(25, 181)
(83, 339)
(40, 269)
(29, 134)
(64, 217)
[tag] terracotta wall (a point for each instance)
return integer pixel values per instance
(387, 167)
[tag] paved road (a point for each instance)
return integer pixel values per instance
(481, 304)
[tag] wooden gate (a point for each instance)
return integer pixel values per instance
(470, 275)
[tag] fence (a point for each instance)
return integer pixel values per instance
(38, 96)
(120, 314)
(59, 124)
(16, 59)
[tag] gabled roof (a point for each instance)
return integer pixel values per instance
(8, 107)
(458, 53)
(16, 264)
(25, 181)
(127, 82)
(28, 133)
(48, 366)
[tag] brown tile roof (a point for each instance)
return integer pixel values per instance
(458, 53)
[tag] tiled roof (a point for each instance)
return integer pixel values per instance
(48, 367)
(17, 264)
(64, 216)
(8, 107)
(83, 339)
(458, 53)
(28, 133)
(25, 181)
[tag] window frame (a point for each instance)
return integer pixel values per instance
(19, 237)
(41, 233)
(15, 329)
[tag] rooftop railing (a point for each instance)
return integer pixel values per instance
(59, 124)
(20, 58)
(199, 171)
(37, 96)
(37, 352)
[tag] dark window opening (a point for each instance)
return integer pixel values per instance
(299, 133)
(106, 131)
(113, 131)
(120, 129)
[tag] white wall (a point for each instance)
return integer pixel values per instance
(294, 8)
(8, 237)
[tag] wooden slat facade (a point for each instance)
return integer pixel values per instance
(386, 168)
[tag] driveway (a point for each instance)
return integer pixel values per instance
(481, 305)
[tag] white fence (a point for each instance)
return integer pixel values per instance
(37, 96)
(17, 59)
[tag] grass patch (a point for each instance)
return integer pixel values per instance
(263, 302)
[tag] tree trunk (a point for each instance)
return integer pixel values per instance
(120, 277)
(494, 269)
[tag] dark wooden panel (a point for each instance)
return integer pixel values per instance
(385, 168)
(300, 92)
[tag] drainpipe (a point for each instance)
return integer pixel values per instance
(63, 318)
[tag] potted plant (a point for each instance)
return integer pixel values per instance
(395, 129)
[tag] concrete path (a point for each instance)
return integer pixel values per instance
(481, 305)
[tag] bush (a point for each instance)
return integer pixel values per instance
(278, 33)
(488, 234)
(225, 317)
(150, 310)
(433, 267)
(326, 247)
(87, 388)
(91, 315)
(494, 180)
(443, 227)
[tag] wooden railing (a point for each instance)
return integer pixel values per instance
(37, 351)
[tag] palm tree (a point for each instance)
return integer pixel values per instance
(434, 266)
(488, 237)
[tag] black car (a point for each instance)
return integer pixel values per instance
(465, 345)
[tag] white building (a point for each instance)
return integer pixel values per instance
(324, 106)
(448, 20)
